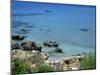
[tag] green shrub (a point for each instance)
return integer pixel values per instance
(89, 62)
(43, 68)
(19, 67)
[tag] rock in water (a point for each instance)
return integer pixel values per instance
(15, 46)
(45, 43)
(47, 11)
(59, 50)
(55, 44)
(30, 45)
(18, 37)
(50, 44)
(83, 29)
(23, 31)
(38, 47)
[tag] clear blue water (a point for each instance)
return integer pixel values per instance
(57, 22)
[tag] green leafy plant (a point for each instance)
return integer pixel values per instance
(89, 62)
(44, 68)
(18, 67)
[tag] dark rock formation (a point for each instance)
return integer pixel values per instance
(55, 44)
(67, 61)
(46, 43)
(29, 45)
(47, 11)
(38, 47)
(83, 29)
(18, 37)
(50, 44)
(19, 24)
(23, 31)
(59, 50)
(16, 46)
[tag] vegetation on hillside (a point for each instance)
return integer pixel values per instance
(89, 62)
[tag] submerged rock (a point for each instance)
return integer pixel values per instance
(16, 24)
(47, 11)
(48, 30)
(83, 29)
(23, 31)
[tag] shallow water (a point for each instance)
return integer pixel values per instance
(58, 22)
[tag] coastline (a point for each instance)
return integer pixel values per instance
(33, 55)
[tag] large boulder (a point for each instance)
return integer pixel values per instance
(44, 56)
(45, 43)
(38, 47)
(32, 56)
(16, 46)
(59, 50)
(69, 63)
(30, 45)
(18, 37)
(55, 44)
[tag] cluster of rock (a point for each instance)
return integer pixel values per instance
(27, 46)
(26, 55)
(23, 31)
(59, 50)
(30, 45)
(50, 44)
(30, 58)
(31, 54)
(18, 37)
(53, 44)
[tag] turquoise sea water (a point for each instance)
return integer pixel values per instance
(57, 22)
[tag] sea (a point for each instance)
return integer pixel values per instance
(72, 26)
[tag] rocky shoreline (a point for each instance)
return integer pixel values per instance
(63, 64)
(31, 54)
